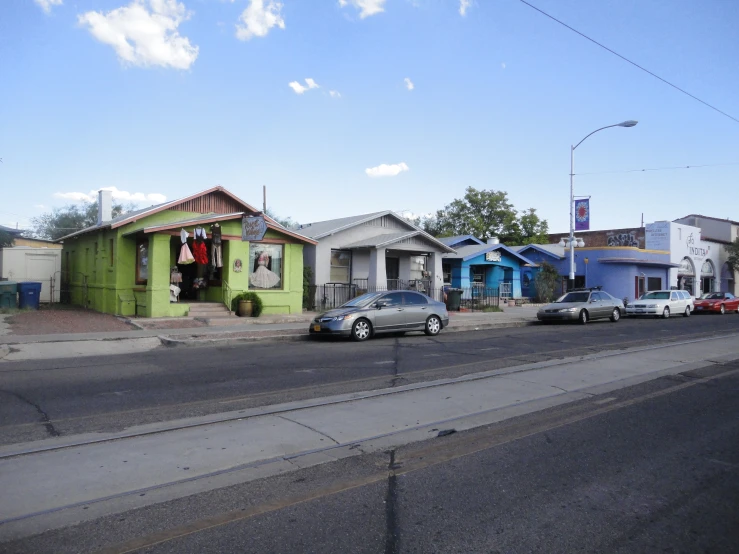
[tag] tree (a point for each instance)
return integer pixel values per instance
(6, 239)
(546, 282)
(733, 250)
(73, 217)
(287, 222)
(485, 214)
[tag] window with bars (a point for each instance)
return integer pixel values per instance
(341, 266)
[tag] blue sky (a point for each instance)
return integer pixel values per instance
(166, 98)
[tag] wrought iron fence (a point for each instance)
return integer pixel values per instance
(333, 295)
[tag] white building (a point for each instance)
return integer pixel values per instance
(699, 260)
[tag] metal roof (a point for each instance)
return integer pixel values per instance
(554, 250)
(465, 253)
(381, 240)
(451, 241)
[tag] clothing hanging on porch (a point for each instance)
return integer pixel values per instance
(216, 248)
(200, 252)
(186, 256)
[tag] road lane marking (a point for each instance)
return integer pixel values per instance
(491, 348)
(385, 362)
(605, 400)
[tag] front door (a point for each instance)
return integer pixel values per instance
(392, 270)
(392, 316)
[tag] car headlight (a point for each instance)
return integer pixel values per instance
(568, 310)
(651, 305)
(346, 317)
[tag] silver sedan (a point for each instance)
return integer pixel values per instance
(382, 312)
(582, 306)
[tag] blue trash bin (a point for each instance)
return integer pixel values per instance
(28, 295)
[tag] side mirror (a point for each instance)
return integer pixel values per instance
(380, 304)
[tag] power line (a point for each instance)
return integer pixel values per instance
(657, 169)
(629, 61)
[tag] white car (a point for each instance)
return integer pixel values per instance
(662, 303)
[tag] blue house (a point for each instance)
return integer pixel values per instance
(477, 265)
(622, 271)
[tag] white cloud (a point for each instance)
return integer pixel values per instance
(409, 84)
(300, 89)
(47, 4)
(135, 197)
(144, 33)
(463, 5)
(502, 65)
(366, 7)
(258, 18)
(385, 170)
(334, 94)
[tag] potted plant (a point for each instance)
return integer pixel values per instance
(247, 304)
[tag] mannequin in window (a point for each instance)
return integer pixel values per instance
(263, 277)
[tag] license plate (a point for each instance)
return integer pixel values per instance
(700, 307)
(317, 328)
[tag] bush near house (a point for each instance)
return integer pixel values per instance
(307, 277)
(256, 303)
(546, 282)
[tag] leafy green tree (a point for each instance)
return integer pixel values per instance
(6, 239)
(485, 214)
(69, 219)
(733, 250)
(546, 282)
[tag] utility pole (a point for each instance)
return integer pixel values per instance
(264, 195)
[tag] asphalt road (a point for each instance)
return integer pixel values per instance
(39, 399)
(651, 468)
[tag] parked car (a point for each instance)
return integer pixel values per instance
(661, 303)
(382, 312)
(582, 305)
(719, 302)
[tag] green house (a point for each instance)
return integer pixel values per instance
(130, 265)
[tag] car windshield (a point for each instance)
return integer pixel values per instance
(575, 297)
(362, 301)
(659, 295)
(715, 296)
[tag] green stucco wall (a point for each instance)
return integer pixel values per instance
(95, 283)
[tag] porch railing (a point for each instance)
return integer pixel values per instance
(226, 294)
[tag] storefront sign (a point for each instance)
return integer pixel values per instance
(493, 256)
(253, 228)
(694, 249)
(658, 236)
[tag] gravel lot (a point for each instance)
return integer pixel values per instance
(64, 319)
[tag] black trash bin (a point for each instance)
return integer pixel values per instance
(28, 295)
(453, 299)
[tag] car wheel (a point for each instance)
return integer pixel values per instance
(616, 315)
(723, 309)
(433, 326)
(687, 311)
(666, 312)
(361, 330)
(584, 318)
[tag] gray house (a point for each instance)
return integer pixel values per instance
(372, 252)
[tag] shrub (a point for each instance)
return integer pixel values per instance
(546, 282)
(307, 276)
(256, 303)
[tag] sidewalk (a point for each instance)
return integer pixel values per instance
(26, 347)
(49, 483)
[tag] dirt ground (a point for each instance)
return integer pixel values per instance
(169, 324)
(64, 319)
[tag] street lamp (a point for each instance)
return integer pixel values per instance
(572, 240)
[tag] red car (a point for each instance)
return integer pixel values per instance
(720, 302)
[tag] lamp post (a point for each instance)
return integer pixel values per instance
(572, 240)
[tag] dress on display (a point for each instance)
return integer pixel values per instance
(264, 278)
(186, 256)
(199, 250)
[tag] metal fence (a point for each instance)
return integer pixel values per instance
(333, 295)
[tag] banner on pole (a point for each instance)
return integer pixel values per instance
(582, 215)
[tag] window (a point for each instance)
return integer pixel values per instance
(341, 266)
(446, 269)
(265, 266)
(418, 267)
(393, 299)
(142, 262)
(413, 299)
(675, 296)
(596, 296)
(111, 253)
(654, 283)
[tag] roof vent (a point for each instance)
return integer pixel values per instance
(493, 240)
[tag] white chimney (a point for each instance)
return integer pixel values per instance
(105, 206)
(493, 240)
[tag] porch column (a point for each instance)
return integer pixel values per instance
(436, 275)
(377, 274)
(157, 285)
(404, 267)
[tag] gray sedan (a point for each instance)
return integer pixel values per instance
(382, 312)
(582, 306)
